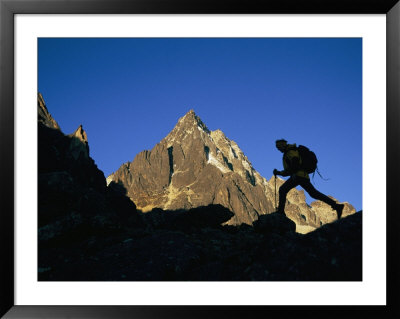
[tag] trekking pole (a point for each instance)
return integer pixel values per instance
(276, 208)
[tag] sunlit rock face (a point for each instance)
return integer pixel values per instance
(193, 166)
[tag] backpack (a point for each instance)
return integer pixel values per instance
(308, 159)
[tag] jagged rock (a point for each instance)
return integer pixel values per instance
(327, 215)
(44, 116)
(73, 196)
(274, 223)
(193, 166)
(200, 217)
(61, 153)
(79, 146)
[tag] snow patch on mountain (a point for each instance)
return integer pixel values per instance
(246, 165)
(214, 161)
(109, 179)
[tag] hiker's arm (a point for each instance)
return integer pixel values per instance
(285, 173)
(282, 173)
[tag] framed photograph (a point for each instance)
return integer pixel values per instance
(153, 158)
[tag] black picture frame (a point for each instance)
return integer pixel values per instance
(9, 8)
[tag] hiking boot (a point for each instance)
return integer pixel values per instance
(339, 210)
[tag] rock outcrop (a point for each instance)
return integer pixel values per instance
(174, 246)
(44, 116)
(193, 166)
(74, 201)
(79, 147)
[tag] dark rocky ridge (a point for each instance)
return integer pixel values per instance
(91, 232)
(73, 198)
(193, 166)
(173, 248)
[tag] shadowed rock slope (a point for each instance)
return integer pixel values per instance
(73, 199)
(172, 248)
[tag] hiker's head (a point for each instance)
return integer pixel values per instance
(281, 145)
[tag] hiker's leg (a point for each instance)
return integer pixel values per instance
(310, 189)
(283, 190)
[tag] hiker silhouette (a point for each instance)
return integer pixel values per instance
(292, 164)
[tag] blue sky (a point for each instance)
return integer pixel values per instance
(129, 93)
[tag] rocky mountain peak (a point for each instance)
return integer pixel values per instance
(193, 166)
(190, 119)
(218, 134)
(80, 134)
(188, 128)
(44, 116)
(79, 145)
